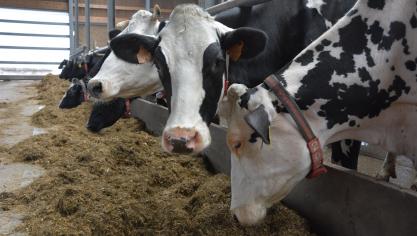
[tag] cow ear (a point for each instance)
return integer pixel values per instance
(156, 14)
(258, 120)
(134, 48)
(64, 62)
(113, 33)
(244, 43)
(122, 25)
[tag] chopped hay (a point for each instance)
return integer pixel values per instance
(121, 182)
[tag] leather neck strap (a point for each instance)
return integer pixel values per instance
(313, 144)
(84, 88)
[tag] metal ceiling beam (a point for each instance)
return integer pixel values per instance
(233, 3)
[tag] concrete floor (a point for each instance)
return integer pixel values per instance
(16, 107)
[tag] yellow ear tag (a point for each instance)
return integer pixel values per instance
(143, 56)
(235, 51)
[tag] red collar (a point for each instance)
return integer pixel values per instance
(226, 87)
(128, 111)
(313, 144)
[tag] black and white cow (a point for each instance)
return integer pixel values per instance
(142, 80)
(190, 53)
(357, 81)
(77, 90)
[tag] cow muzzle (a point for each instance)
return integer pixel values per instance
(182, 140)
(250, 214)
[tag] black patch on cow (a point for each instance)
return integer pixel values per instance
(351, 160)
(376, 4)
(253, 137)
(353, 36)
(244, 99)
(213, 70)
(396, 32)
(95, 68)
(161, 26)
(306, 58)
(105, 114)
(342, 99)
(113, 33)
(164, 75)
(127, 46)
(410, 65)
(278, 107)
(376, 32)
(369, 59)
(406, 47)
(413, 21)
(325, 42)
(319, 48)
(393, 68)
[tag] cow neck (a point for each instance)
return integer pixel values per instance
(313, 143)
(84, 88)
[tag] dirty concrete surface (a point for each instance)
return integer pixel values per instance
(16, 107)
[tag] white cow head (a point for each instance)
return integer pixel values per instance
(119, 78)
(262, 173)
(190, 56)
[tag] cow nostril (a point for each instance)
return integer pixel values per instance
(98, 88)
(95, 88)
(180, 145)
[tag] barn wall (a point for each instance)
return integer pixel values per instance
(98, 13)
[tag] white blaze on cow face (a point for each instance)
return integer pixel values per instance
(261, 174)
(118, 78)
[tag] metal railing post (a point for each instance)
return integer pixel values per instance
(71, 24)
(148, 5)
(87, 24)
(76, 32)
(110, 15)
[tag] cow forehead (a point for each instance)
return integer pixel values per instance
(189, 32)
(189, 43)
(142, 23)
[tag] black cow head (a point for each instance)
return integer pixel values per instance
(105, 114)
(74, 95)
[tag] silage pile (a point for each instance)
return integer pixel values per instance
(120, 182)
